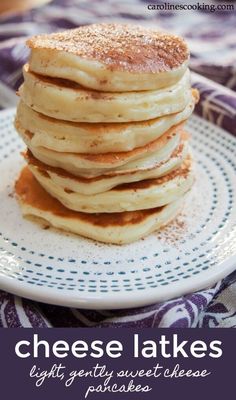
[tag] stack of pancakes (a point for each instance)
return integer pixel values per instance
(102, 112)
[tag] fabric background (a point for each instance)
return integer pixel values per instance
(212, 40)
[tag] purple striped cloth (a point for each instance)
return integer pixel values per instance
(214, 56)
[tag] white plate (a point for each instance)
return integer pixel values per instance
(190, 254)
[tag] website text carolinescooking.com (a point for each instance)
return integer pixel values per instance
(197, 7)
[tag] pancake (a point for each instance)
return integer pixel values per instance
(134, 196)
(66, 136)
(97, 164)
(69, 101)
(114, 228)
(103, 183)
(111, 57)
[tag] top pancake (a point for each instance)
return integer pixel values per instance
(111, 57)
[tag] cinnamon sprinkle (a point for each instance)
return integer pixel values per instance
(119, 46)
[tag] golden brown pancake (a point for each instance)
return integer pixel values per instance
(149, 193)
(79, 137)
(72, 102)
(111, 57)
(102, 183)
(83, 164)
(116, 228)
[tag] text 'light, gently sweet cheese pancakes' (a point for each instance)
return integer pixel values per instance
(102, 112)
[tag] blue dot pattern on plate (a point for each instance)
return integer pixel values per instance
(64, 263)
